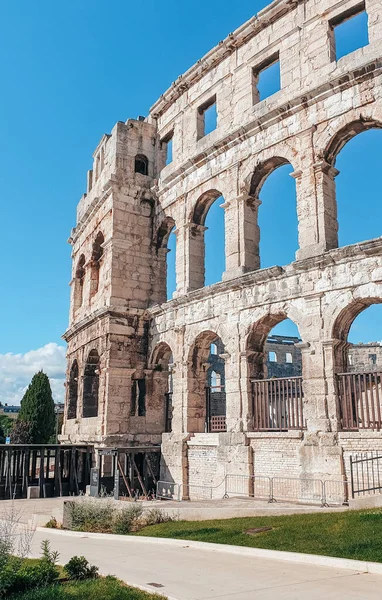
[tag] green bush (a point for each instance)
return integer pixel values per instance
(156, 516)
(17, 575)
(52, 523)
(79, 569)
(90, 515)
(127, 519)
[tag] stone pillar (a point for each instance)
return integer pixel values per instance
(326, 205)
(245, 372)
(374, 12)
(234, 408)
(242, 236)
(190, 258)
(314, 387)
(177, 399)
(117, 408)
(316, 209)
(161, 276)
(335, 353)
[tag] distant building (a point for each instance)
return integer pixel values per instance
(9, 410)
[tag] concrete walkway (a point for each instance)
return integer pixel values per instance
(180, 572)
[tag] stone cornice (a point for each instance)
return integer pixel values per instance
(266, 17)
(332, 257)
(99, 315)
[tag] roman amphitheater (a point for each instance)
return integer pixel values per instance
(191, 374)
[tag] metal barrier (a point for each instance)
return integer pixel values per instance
(335, 492)
(262, 487)
(297, 490)
(256, 486)
(168, 490)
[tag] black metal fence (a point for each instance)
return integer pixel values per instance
(366, 474)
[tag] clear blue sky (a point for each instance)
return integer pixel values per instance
(69, 72)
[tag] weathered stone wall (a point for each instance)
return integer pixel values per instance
(322, 103)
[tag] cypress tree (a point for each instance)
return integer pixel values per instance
(37, 409)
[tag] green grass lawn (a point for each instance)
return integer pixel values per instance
(349, 534)
(106, 588)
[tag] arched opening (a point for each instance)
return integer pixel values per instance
(163, 382)
(275, 375)
(207, 397)
(358, 364)
(79, 283)
(141, 164)
(354, 150)
(91, 385)
(97, 254)
(207, 241)
(359, 179)
(166, 253)
(73, 391)
(274, 187)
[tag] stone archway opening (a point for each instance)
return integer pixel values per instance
(207, 240)
(275, 192)
(353, 174)
(275, 378)
(206, 411)
(162, 392)
(357, 345)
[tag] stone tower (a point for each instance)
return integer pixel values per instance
(111, 289)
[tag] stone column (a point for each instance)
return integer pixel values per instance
(315, 408)
(117, 409)
(326, 205)
(246, 374)
(161, 275)
(189, 258)
(242, 236)
(335, 353)
(177, 399)
(234, 408)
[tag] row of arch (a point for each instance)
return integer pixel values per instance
(206, 395)
(81, 270)
(278, 213)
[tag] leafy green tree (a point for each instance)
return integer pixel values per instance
(37, 409)
(6, 424)
(21, 433)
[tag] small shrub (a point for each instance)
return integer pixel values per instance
(90, 515)
(79, 569)
(127, 519)
(155, 516)
(52, 524)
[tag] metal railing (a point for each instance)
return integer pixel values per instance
(366, 474)
(169, 490)
(360, 396)
(262, 487)
(277, 404)
(215, 409)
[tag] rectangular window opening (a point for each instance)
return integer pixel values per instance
(138, 398)
(272, 357)
(266, 79)
(349, 32)
(289, 357)
(373, 359)
(207, 118)
(168, 142)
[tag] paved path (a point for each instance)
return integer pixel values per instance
(201, 574)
